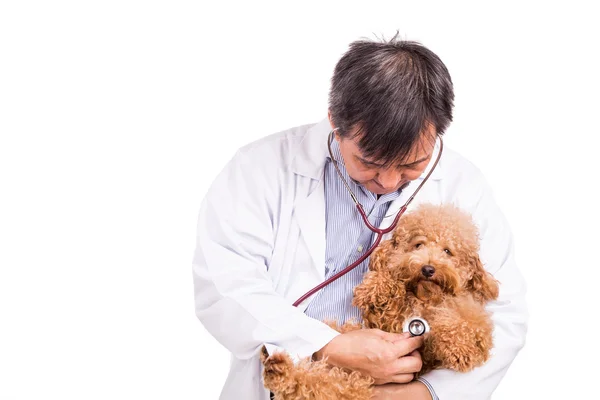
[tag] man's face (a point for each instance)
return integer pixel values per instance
(380, 179)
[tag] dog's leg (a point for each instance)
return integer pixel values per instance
(312, 380)
(278, 372)
(460, 337)
(380, 299)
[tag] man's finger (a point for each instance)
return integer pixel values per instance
(399, 378)
(393, 337)
(402, 378)
(406, 365)
(401, 336)
(406, 346)
(415, 353)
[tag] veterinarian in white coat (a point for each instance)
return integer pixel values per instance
(261, 245)
(280, 224)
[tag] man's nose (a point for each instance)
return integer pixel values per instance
(389, 179)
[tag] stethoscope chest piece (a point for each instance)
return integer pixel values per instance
(415, 326)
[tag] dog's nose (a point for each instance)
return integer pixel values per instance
(428, 271)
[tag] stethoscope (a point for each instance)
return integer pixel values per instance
(379, 232)
(416, 326)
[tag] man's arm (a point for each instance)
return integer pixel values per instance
(415, 390)
(234, 295)
(509, 311)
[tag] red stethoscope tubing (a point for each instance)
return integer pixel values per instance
(378, 231)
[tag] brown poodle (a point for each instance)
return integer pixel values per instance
(429, 268)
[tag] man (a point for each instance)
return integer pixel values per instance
(278, 221)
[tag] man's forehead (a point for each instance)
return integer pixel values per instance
(422, 149)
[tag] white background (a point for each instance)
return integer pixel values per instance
(115, 116)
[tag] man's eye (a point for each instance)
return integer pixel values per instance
(409, 167)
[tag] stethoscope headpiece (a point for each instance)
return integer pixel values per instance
(416, 326)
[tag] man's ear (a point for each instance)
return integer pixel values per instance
(482, 283)
(330, 119)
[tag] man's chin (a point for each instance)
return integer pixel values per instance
(378, 190)
(369, 186)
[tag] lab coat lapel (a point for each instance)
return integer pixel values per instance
(310, 214)
(309, 208)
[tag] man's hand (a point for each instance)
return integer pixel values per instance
(387, 357)
(394, 391)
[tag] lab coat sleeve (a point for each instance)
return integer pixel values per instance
(510, 315)
(234, 296)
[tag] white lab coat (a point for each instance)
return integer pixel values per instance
(261, 245)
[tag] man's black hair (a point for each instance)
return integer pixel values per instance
(388, 93)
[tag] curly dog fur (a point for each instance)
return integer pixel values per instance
(430, 268)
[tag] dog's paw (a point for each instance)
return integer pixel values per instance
(277, 364)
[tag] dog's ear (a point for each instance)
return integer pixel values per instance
(381, 255)
(482, 283)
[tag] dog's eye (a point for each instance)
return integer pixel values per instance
(448, 252)
(418, 245)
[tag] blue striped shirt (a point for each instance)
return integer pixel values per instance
(347, 238)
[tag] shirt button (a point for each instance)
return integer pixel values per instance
(359, 248)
